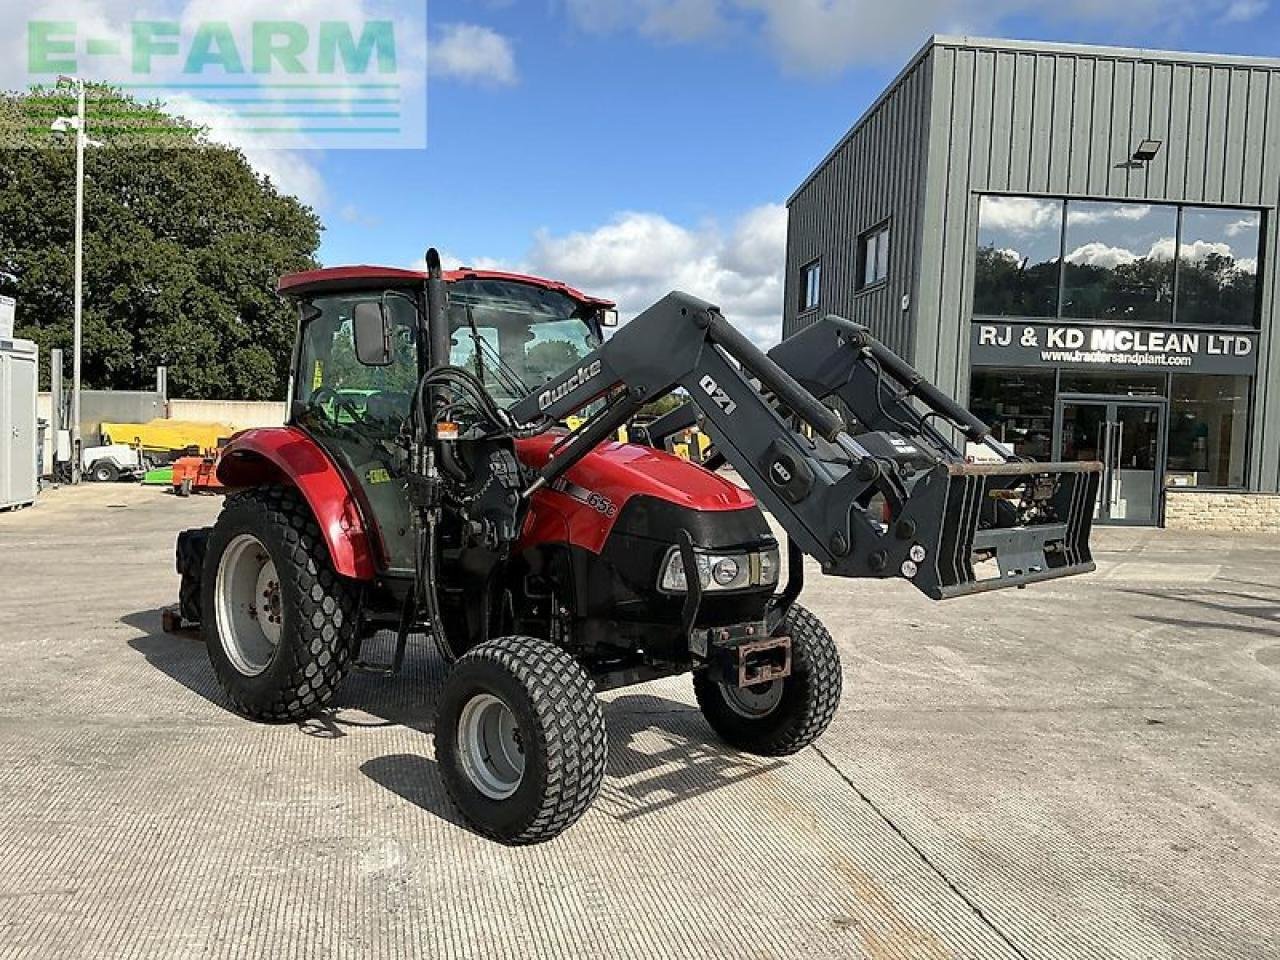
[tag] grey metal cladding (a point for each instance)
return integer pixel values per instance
(1063, 120)
(876, 173)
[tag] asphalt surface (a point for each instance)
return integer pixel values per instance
(1084, 769)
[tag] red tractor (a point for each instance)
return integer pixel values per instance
(425, 483)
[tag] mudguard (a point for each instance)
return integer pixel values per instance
(273, 455)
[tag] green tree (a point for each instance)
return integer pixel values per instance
(184, 243)
(550, 359)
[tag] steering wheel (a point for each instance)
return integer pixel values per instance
(340, 403)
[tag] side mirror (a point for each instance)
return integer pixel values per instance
(371, 327)
(608, 318)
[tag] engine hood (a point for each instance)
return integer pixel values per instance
(582, 506)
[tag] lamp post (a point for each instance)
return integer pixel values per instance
(61, 125)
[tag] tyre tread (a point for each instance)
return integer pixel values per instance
(571, 730)
(326, 609)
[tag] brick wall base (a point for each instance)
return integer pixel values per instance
(1191, 510)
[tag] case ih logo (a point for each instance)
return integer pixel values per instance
(555, 394)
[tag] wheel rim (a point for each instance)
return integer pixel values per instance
(490, 747)
(755, 701)
(249, 608)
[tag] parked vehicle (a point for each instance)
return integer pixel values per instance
(116, 461)
(423, 483)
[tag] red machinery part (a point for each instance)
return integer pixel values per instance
(275, 454)
(581, 511)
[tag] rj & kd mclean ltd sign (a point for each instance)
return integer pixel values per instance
(1002, 344)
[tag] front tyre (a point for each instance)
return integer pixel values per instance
(278, 622)
(520, 738)
(784, 716)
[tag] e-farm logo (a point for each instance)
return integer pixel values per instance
(319, 82)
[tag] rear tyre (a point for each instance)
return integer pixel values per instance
(521, 740)
(784, 716)
(104, 473)
(278, 622)
(192, 546)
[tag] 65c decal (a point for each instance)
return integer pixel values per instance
(596, 501)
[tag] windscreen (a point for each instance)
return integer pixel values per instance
(515, 336)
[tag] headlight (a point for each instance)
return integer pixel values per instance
(722, 571)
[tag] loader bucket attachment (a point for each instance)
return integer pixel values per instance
(1004, 525)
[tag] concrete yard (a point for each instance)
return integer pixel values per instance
(1083, 769)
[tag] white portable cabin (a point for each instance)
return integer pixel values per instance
(19, 473)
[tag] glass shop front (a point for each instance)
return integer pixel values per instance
(1120, 332)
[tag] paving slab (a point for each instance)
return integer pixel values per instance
(1088, 768)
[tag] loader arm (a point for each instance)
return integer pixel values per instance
(894, 501)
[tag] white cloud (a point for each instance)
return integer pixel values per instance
(637, 258)
(1239, 11)
(350, 213)
(1103, 213)
(680, 20)
(1020, 215)
(1098, 254)
(1101, 255)
(1243, 225)
(473, 54)
(683, 19)
(292, 171)
(1195, 252)
(825, 37)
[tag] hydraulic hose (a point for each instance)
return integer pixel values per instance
(428, 569)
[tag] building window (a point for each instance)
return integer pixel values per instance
(1019, 246)
(1208, 430)
(1218, 267)
(1018, 406)
(810, 285)
(873, 257)
(1119, 262)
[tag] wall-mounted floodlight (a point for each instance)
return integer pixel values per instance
(1147, 150)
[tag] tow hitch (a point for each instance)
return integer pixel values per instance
(744, 655)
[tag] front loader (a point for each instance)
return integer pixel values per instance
(424, 484)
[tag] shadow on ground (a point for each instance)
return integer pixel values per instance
(660, 750)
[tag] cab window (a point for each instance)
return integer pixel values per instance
(334, 388)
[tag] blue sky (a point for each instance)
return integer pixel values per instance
(633, 146)
(622, 137)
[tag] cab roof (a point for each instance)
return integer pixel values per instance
(356, 277)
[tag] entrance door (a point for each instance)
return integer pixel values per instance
(1127, 436)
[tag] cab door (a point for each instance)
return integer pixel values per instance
(356, 412)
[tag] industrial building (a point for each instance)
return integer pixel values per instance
(1076, 241)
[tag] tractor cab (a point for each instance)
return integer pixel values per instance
(513, 332)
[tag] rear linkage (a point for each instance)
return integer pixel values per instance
(893, 498)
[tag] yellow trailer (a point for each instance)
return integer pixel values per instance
(165, 436)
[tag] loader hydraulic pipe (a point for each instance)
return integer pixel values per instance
(915, 383)
(799, 400)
